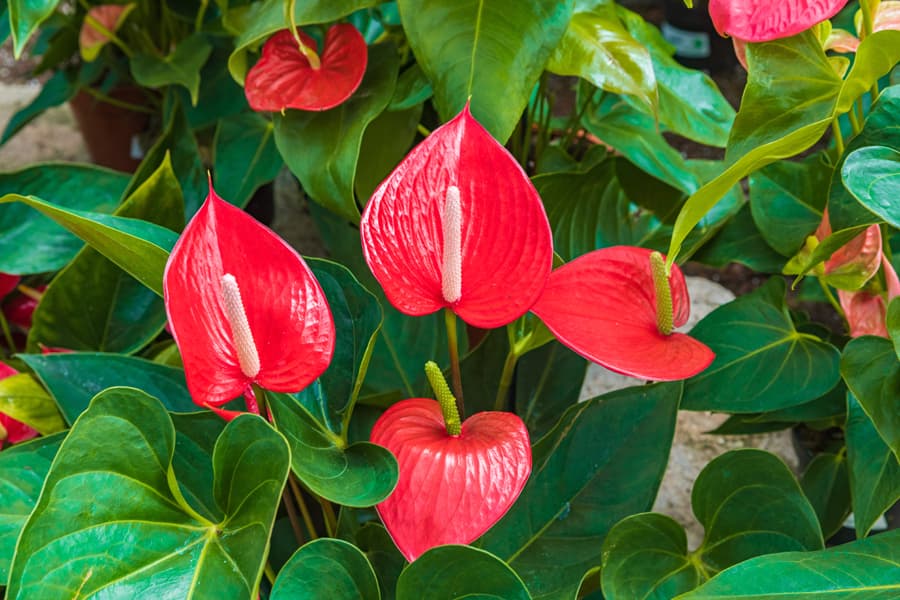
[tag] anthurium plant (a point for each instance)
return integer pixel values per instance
(507, 191)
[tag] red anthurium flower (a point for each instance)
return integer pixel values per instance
(452, 486)
(765, 20)
(20, 308)
(12, 431)
(854, 263)
(604, 306)
(866, 311)
(243, 308)
(8, 283)
(290, 76)
(458, 224)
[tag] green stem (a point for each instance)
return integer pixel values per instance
(309, 53)
(301, 504)
(838, 136)
(868, 23)
(198, 22)
(831, 299)
(455, 372)
(506, 377)
(121, 104)
(329, 516)
(423, 130)
(270, 573)
(292, 516)
(855, 114)
(7, 334)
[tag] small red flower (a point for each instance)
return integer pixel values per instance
(288, 76)
(452, 487)
(458, 224)
(11, 430)
(243, 308)
(765, 20)
(604, 306)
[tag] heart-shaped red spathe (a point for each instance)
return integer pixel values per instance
(283, 77)
(506, 243)
(765, 20)
(451, 489)
(603, 306)
(287, 313)
(16, 431)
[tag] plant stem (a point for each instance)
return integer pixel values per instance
(329, 516)
(270, 573)
(113, 101)
(455, 373)
(423, 130)
(198, 22)
(838, 136)
(506, 377)
(7, 334)
(830, 297)
(301, 504)
(309, 53)
(292, 516)
(854, 118)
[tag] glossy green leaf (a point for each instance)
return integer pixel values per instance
(252, 23)
(322, 148)
(450, 572)
(25, 17)
(413, 88)
(139, 247)
(56, 91)
(762, 362)
(23, 399)
(480, 50)
(357, 319)
(870, 367)
(385, 143)
(602, 462)
(865, 570)
(195, 440)
(360, 474)
(748, 503)
(787, 200)
(548, 381)
(771, 124)
(245, 156)
(872, 175)
(741, 241)
(326, 568)
(880, 129)
(220, 97)
(826, 482)
(893, 324)
(74, 378)
(597, 47)
(32, 243)
(374, 540)
(23, 468)
(162, 545)
(874, 470)
(180, 67)
(92, 304)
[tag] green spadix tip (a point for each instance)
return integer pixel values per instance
(444, 397)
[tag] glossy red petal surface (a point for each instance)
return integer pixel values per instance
(865, 312)
(451, 489)
(286, 309)
(8, 283)
(603, 306)
(764, 20)
(283, 77)
(507, 246)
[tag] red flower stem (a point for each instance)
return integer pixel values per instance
(506, 377)
(455, 373)
(7, 335)
(301, 504)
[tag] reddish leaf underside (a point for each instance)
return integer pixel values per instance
(450, 489)
(286, 309)
(16, 431)
(765, 20)
(283, 77)
(603, 306)
(506, 242)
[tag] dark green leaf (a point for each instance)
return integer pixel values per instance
(92, 304)
(32, 243)
(161, 544)
(22, 471)
(195, 440)
(23, 399)
(384, 145)
(602, 462)
(450, 572)
(548, 381)
(865, 570)
(245, 156)
(741, 241)
(360, 474)
(322, 148)
(874, 471)
(826, 483)
(181, 67)
(872, 372)
(412, 89)
(57, 90)
(477, 51)
(74, 378)
(893, 324)
(326, 568)
(872, 175)
(762, 362)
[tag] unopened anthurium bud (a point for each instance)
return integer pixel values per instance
(662, 292)
(444, 397)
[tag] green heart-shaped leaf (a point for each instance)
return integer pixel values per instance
(450, 572)
(872, 175)
(826, 483)
(112, 490)
(327, 568)
(245, 156)
(872, 372)
(181, 67)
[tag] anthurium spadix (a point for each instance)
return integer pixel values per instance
(290, 74)
(455, 479)
(458, 224)
(617, 307)
(243, 307)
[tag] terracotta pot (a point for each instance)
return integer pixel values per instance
(110, 131)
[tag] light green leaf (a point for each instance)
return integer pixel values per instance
(478, 51)
(121, 499)
(25, 17)
(23, 399)
(450, 572)
(327, 568)
(181, 67)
